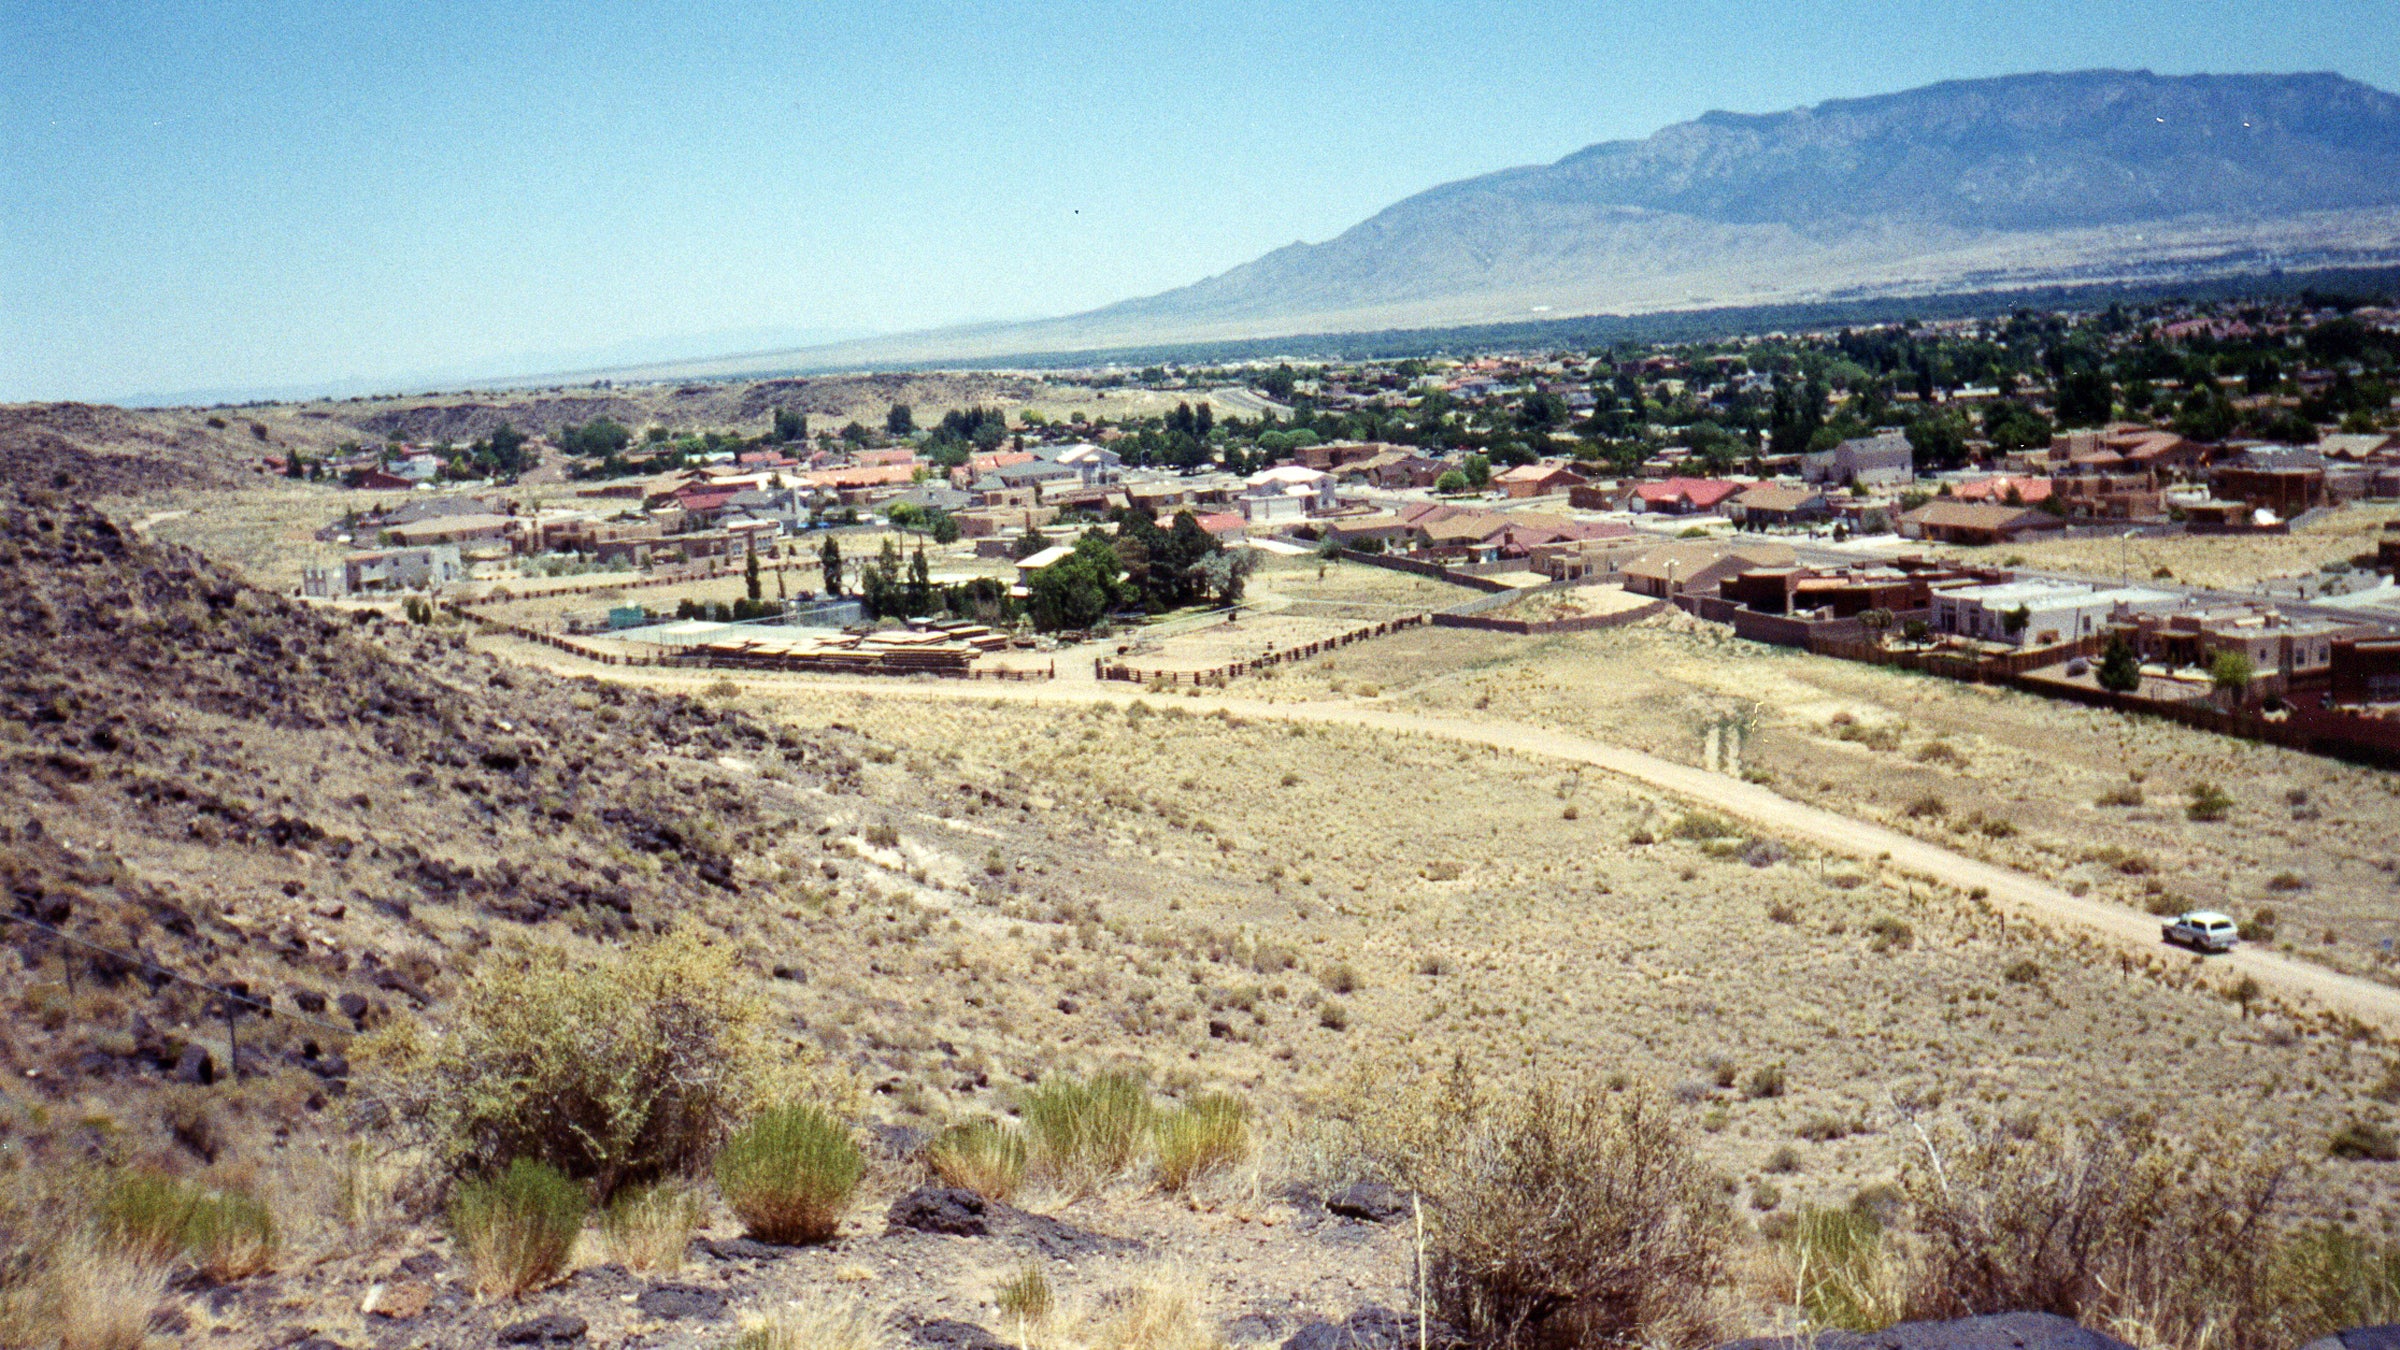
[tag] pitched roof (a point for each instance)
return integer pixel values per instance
(1969, 515)
(1776, 497)
(1701, 492)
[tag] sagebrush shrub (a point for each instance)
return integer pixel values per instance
(789, 1174)
(517, 1229)
(230, 1235)
(620, 1073)
(1576, 1217)
(2109, 1223)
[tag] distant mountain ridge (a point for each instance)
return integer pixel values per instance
(1969, 184)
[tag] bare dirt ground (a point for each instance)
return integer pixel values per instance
(1463, 898)
(2218, 562)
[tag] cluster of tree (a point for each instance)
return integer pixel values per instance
(789, 426)
(596, 439)
(501, 456)
(924, 520)
(738, 611)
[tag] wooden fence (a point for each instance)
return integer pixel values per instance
(1586, 624)
(1104, 670)
(504, 596)
(830, 663)
(1395, 563)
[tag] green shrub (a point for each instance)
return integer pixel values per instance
(1767, 1080)
(1576, 1217)
(230, 1235)
(1085, 1131)
(142, 1214)
(155, 1219)
(1846, 1275)
(985, 1157)
(2207, 801)
(1213, 1132)
(621, 1073)
(517, 1229)
(789, 1174)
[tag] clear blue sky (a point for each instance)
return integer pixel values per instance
(254, 195)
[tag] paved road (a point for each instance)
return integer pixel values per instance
(2296, 981)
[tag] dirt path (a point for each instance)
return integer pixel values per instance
(2296, 981)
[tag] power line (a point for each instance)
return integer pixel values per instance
(264, 1007)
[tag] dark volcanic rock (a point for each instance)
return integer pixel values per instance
(548, 1329)
(743, 1249)
(941, 1209)
(948, 1333)
(1370, 1328)
(675, 1302)
(1998, 1331)
(1371, 1201)
(2359, 1338)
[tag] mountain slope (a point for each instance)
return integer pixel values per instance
(1967, 185)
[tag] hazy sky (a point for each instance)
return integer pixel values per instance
(249, 195)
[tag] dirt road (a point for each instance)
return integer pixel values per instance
(2295, 981)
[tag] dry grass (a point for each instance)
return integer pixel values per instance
(816, 1325)
(986, 1157)
(1209, 1135)
(517, 1230)
(650, 1228)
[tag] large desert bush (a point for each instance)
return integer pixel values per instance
(154, 1219)
(618, 1072)
(789, 1174)
(517, 1229)
(2164, 1240)
(1846, 1272)
(1574, 1217)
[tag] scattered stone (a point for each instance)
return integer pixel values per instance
(1370, 1328)
(1069, 1006)
(676, 1302)
(1369, 1201)
(2359, 1338)
(196, 1066)
(556, 1328)
(742, 1249)
(424, 1265)
(399, 1300)
(948, 1333)
(1255, 1329)
(1997, 1331)
(941, 1209)
(896, 1142)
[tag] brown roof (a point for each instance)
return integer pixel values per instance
(1968, 515)
(1774, 497)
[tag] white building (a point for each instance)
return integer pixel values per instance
(1287, 492)
(2054, 611)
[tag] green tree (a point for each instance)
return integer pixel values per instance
(789, 426)
(1478, 471)
(2231, 672)
(2013, 621)
(2085, 398)
(829, 561)
(900, 420)
(1066, 594)
(2120, 669)
(2205, 414)
(750, 576)
(1450, 481)
(920, 582)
